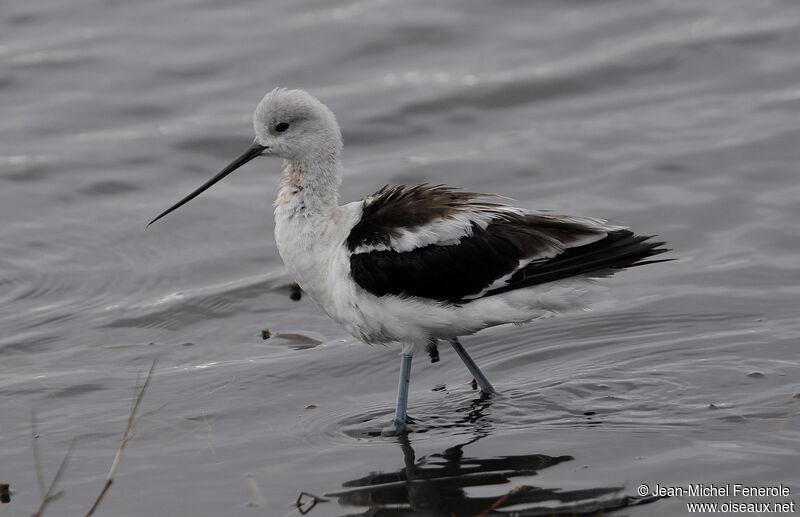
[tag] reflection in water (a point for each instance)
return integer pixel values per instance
(437, 484)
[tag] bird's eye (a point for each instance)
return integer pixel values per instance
(283, 126)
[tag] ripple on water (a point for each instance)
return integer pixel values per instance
(52, 287)
(623, 377)
(216, 301)
(678, 118)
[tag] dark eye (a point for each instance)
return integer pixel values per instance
(283, 126)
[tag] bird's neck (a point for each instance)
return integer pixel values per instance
(310, 186)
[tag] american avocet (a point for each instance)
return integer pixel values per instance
(416, 264)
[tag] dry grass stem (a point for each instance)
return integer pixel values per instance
(50, 494)
(133, 419)
(306, 502)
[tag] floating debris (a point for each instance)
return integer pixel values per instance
(5, 493)
(295, 292)
(311, 406)
(755, 375)
(188, 343)
(302, 338)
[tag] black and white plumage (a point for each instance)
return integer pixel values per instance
(451, 246)
(416, 264)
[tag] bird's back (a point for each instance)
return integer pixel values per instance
(436, 243)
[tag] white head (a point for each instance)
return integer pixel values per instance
(295, 126)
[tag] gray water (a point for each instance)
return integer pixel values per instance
(678, 118)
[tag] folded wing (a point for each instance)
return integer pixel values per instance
(451, 246)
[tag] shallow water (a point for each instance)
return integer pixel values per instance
(678, 118)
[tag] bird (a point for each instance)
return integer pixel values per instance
(419, 264)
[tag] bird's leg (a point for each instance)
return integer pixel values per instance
(399, 423)
(483, 382)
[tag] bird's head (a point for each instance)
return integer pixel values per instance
(289, 124)
(294, 125)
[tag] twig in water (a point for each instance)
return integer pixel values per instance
(503, 499)
(306, 506)
(126, 437)
(48, 495)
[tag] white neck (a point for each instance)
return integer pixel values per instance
(310, 186)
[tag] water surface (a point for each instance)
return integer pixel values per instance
(678, 118)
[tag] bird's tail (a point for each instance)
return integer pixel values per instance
(619, 250)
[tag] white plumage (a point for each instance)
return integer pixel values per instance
(416, 264)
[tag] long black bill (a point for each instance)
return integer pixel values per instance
(253, 151)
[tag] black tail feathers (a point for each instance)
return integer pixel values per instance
(620, 249)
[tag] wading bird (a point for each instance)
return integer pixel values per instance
(417, 264)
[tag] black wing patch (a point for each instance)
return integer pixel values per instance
(620, 249)
(402, 207)
(453, 273)
(437, 272)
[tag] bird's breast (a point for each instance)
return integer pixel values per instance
(312, 248)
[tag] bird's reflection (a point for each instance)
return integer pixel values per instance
(437, 484)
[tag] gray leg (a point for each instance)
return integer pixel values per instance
(483, 382)
(399, 423)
